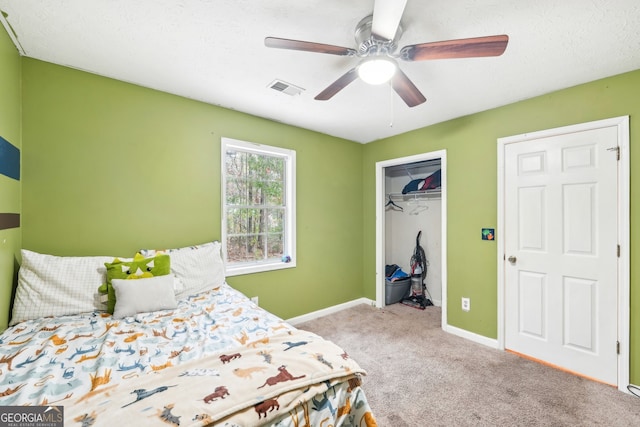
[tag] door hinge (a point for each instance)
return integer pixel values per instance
(617, 150)
(617, 347)
(618, 251)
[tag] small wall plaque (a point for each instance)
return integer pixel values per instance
(488, 234)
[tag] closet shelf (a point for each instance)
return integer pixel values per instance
(420, 194)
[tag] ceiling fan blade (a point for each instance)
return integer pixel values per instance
(338, 85)
(386, 18)
(308, 46)
(406, 89)
(461, 48)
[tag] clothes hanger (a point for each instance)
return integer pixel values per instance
(392, 203)
(418, 207)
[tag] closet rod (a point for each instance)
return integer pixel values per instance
(416, 194)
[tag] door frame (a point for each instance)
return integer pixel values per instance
(380, 222)
(622, 124)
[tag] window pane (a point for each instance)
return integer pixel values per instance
(275, 171)
(234, 225)
(237, 249)
(254, 165)
(275, 245)
(255, 246)
(275, 193)
(275, 222)
(246, 248)
(235, 162)
(237, 192)
(256, 193)
(255, 221)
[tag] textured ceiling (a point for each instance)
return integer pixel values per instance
(213, 51)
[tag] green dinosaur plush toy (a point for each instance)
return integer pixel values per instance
(139, 268)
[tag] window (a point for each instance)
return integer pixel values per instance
(258, 207)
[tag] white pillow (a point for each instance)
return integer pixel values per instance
(50, 285)
(199, 267)
(135, 296)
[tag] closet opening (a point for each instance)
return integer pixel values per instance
(411, 199)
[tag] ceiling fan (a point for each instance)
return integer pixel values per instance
(376, 37)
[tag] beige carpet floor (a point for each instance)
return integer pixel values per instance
(419, 375)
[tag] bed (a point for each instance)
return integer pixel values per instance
(182, 348)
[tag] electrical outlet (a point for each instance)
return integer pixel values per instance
(466, 304)
(255, 300)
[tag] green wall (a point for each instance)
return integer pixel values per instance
(10, 128)
(471, 144)
(111, 167)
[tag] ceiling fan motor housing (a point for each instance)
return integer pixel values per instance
(371, 45)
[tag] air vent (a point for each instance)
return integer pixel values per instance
(285, 87)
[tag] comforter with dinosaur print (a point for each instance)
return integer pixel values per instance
(217, 359)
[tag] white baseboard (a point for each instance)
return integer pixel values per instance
(329, 310)
(489, 342)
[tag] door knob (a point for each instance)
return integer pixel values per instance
(512, 259)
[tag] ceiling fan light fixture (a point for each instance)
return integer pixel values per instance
(377, 70)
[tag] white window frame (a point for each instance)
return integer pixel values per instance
(290, 206)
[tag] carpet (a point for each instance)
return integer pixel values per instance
(419, 375)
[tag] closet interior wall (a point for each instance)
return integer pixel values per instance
(419, 213)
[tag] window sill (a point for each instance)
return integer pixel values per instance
(257, 268)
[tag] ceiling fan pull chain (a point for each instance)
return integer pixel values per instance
(390, 105)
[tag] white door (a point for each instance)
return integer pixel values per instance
(561, 284)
